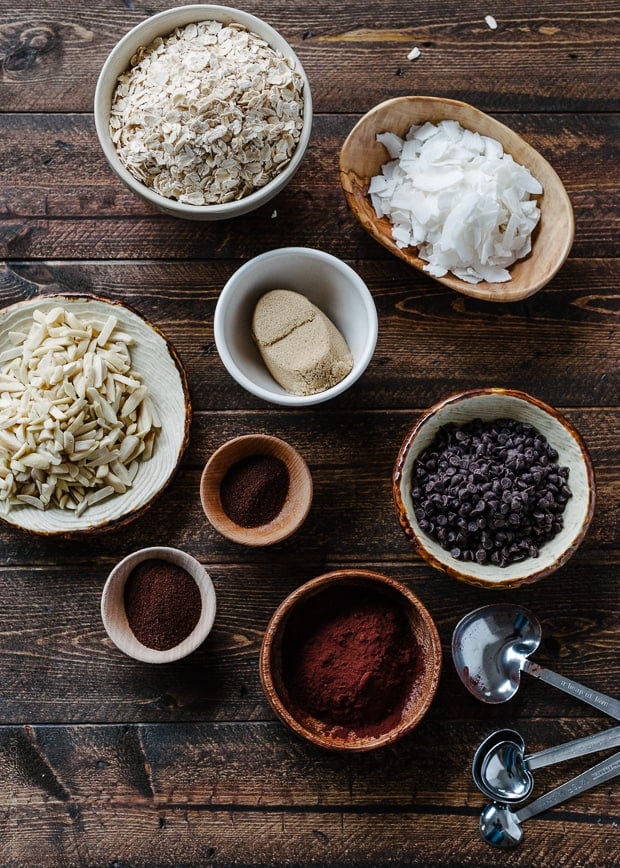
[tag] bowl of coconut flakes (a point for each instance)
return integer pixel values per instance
(203, 111)
(458, 195)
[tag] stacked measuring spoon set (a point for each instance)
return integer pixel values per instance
(491, 646)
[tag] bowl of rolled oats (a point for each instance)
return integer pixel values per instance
(203, 111)
(94, 414)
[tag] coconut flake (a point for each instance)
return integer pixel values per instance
(490, 22)
(458, 198)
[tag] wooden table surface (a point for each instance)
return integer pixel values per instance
(106, 761)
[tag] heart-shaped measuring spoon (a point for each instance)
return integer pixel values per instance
(491, 647)
(501, 770)
(501, 826)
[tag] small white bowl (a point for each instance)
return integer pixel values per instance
(487, 404)
(114, 616)
(330, 284)
(161, 25)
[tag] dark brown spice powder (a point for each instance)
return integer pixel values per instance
(254, 490)
(162, 602)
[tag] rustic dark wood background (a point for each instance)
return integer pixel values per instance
(105, 761)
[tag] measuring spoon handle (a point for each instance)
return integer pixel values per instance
(571, 749)
(598, 774)
(601, 701)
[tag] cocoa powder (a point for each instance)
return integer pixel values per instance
(350, 660)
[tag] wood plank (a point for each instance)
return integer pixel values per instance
(559, 345)
(106, 761)
(101, 795)
(58, 663)
(351, 463)
(59, 199)
(338, 45)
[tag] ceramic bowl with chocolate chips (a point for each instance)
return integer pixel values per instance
(494, 487)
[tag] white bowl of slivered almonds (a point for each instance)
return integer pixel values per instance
(94, 414)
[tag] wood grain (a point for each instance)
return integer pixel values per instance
(566, 46)
(107, 761)
(57, 194)
(100, 795)
(432, 342)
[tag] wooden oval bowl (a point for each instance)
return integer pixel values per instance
(156, 360)
(114, 616)
(296, 506)
(362, 157)
(425, 638)
(490, 404)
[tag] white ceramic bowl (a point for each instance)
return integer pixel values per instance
(114, 616)
(155, 359)
(330, 284)
(490, 404)
(161, 25)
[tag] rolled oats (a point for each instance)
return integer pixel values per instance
(207, 114)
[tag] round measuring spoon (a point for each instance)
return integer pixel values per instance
(491, 647)
(501, 770)
(501, 826)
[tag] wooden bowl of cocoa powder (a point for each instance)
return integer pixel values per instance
(351, 660)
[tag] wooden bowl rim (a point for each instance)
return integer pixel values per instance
(296, 507)
(355, 189)
(458, 571)
(352, 577)
(113, 612)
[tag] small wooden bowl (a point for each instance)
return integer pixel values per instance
(362, 157)
(296, 506)
(490, 404)
(425, 637)
(114, 616)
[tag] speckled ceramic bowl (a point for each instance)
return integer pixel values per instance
(490, 404)
(155, 359)
(425, 646)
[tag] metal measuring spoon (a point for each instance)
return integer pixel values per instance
(501, 826)
(501, 770)
(491, 647)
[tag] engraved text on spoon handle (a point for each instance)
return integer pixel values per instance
(604, 703)
(571, 749)
(598, 774)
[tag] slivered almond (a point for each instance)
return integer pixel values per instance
(63, 441)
